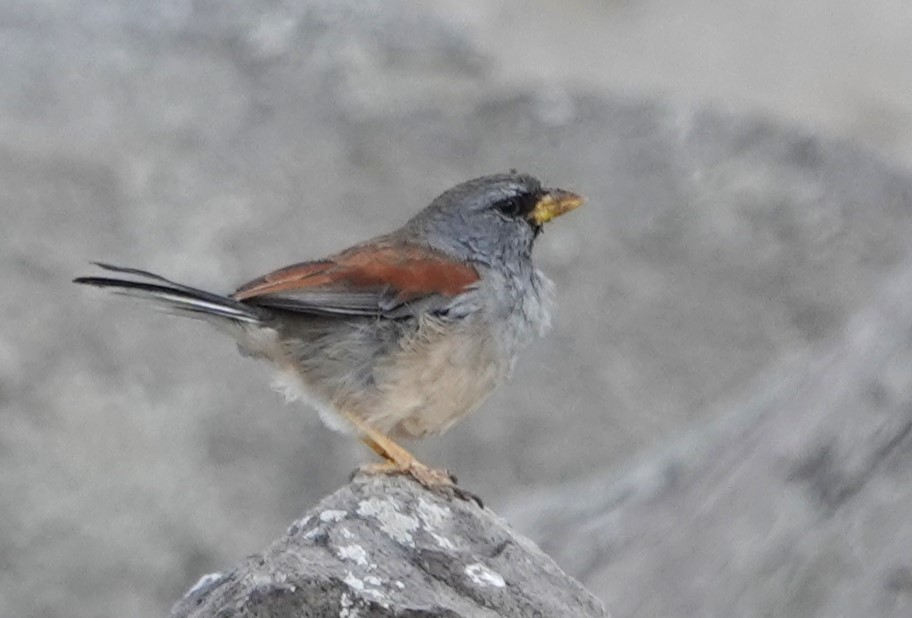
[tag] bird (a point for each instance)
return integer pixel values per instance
(400, 336)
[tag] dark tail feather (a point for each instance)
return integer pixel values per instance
(182, 298)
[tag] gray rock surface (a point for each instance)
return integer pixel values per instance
(798, 503)
(214, 141)
(388, 547)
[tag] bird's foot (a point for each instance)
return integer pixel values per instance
(434, 479)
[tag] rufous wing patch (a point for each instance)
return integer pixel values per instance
(412, 272)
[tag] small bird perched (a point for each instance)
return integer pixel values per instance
(402, 335)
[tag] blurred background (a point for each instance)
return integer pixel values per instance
(747, 173)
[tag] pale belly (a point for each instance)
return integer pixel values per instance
(438, 378)
(435, 377)
(409, 381)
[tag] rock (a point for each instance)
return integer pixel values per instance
(796, 504)
(385, 546)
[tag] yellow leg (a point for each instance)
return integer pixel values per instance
(383, 445)
(400, 461)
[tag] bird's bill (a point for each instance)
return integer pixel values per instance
(554, 203)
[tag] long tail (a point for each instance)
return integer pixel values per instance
(180, 298)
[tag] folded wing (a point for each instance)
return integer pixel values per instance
(374, 279)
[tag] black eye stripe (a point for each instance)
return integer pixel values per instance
(517, 205)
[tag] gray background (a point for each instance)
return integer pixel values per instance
(213, 141)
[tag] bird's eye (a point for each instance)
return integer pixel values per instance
(515, 206)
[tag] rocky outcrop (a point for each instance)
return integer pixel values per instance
(797, 503)
(385, 546)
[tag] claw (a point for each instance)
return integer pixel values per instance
(438, 481)
(400, 461)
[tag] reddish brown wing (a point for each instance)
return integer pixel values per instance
(371, 279)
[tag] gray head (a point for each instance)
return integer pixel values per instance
(490, 220)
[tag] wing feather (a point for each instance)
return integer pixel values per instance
(370, 279)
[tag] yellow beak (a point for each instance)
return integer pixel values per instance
(553, 204)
